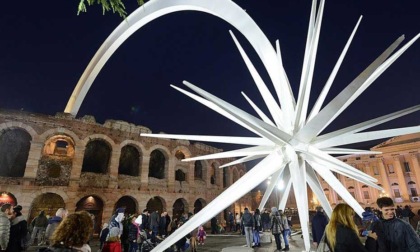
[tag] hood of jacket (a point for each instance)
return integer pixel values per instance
(18, 219)
(55, 219)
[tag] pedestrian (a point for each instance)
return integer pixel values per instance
(231, 220)
(39, 225)
(237, 222)
(73, 233)
(154, 224)
(201, 235)
(257, 219)
(113, 242)
(213, 223)
(5, 213)
(145, 220)
(54, 222)
(133, 235)
(18, 231)
(103, 235)
(341, 232)
(319, 222)
(248, 223)
(265, 219)
(394, 234)
(407, 214)
(286, 230)
(162, 224)
(276, 226)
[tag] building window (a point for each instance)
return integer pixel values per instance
(413, 192)
(375, 170)
(397, 193)
(366, 195)
(391, 169)
(407, 167)
(352, 194)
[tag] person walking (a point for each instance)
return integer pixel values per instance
(286, 230)
(319, 222)
(133, 235)
(248, 223)
(154, 224)
(54, 222)
(276, 226)
(39, 225)
(341, 232)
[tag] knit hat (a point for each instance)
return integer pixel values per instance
(274, 210)
(119, 210)
(17, 208)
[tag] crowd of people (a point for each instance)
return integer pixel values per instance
(384, 229)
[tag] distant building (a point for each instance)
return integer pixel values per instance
(48, 162)
(396, 169)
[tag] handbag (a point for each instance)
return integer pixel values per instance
(323, 245)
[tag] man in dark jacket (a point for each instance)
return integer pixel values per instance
(319, 221)
(394, 234)
(265, 219)
(39, 224)
(154, 224)
(248, 223)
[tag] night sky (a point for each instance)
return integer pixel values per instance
(45, 47)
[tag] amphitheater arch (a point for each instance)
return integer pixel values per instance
(15, 144)
(179, 207)
(159, 162)
(48, 202)
(199, 204)
(95, 206)
(129, 203)
(156, 204)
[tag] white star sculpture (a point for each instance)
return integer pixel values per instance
(288, 140)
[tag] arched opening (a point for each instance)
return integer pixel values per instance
(127, 202)
(47, 202)
(94, 205)
(7, 198)
(213, 177)
(130, 161)
(179, 155)
(179, 208)
(198, 205)
(97, 157)
(156, 204)
(14, 152)
(180, 175)
(59, 146)
(225, 177)
(157, 164)
(198, 170)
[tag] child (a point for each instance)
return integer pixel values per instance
(201, 235)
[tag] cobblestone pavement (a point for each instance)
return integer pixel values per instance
(215, 243)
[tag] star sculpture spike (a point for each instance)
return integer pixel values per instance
(289, 143)
(292, 147)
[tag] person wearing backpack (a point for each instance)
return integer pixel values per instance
(248, 223)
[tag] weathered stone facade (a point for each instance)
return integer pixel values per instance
(48, 162)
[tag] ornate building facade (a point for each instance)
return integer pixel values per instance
(47, 162)
(397, 170)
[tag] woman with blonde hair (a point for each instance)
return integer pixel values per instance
(73, 233)
(341, 232)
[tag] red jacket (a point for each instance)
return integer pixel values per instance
(112, 247)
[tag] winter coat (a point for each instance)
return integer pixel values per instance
(104, 234)
(347, 240)
(319, 221)
(248, 219)
(154, 219)
(257, 219)
(18, 231)
(40, 221)
(396, 235)
(4, 230)
(112, 247)
(276, 224)
(133, 232)
(52, 225)
(265, 217)
(284, 222)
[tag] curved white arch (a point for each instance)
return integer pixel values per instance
(224, 9)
